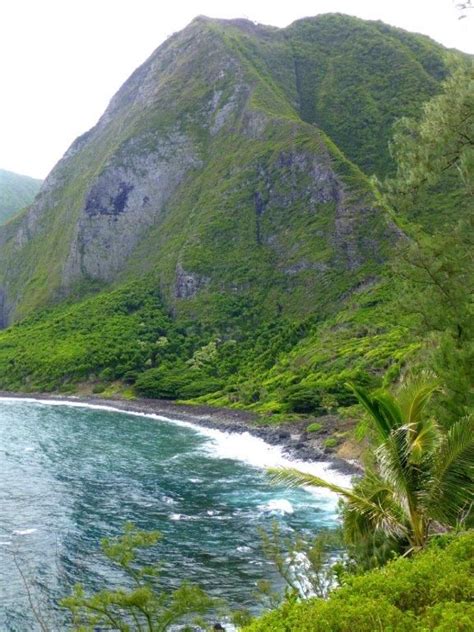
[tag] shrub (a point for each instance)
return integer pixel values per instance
(160, 383)
(304, 399)
(431, 591)
(314, 427)
(200, 386)
(145, 604)
(179, 382)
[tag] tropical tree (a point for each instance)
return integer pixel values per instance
(421, 480)
(434, 266)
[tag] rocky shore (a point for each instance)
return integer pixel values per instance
(292, 437)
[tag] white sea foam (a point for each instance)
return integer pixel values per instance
(176, 517)
(278, 505)
(24, 531)
(168, 500)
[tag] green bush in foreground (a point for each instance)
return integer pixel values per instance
(431, 591)
(144, 604)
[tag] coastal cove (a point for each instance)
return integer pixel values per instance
(74, 472)
(294, 442)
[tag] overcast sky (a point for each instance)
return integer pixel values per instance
(62, 60)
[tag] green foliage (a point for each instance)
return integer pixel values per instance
(302, 399)
(104, 337)
(421, 477)
(314, 427)
(437, 270)
(330, 443)
(176, 381)
(443, 139)
(125, 337)
(438, 274)
(431, 591)
(16, 192)
(356, 78)
(144, 604)
(304, 565)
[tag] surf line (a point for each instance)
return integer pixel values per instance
(243, 447)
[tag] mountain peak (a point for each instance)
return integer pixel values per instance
(234, 161)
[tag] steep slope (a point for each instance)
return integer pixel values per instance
(216, 234)
(207, 161)
(16, 192)
(350, 77)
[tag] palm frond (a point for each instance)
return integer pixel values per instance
(373, 509)
(422, 440)
(391, 458)
(376, 509)
(291, 477)
(382, 409)
(452, 487)
(414, 397)
(389, 408)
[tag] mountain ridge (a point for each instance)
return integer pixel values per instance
(171, 78)
(16, 192)
(217, 234)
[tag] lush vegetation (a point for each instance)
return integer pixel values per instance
(437, 268)
(419, 480)
(16, 192)
(432, 591)
(112, 336)
(355, 91)
(125, 341)
(262, 347)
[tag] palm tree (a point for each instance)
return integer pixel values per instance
(421, 480)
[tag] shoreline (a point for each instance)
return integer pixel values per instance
(291, 437)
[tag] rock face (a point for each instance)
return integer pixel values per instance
(188, 284)
(123, 202)
(210, 171)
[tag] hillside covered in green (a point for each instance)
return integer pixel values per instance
(432, 591)
(219, 235)
(16, 192)
(230, 170)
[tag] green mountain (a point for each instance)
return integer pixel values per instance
(16, 192)
(217, 234)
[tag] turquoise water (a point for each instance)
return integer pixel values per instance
(71, 475)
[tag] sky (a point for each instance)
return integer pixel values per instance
(63, 60)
